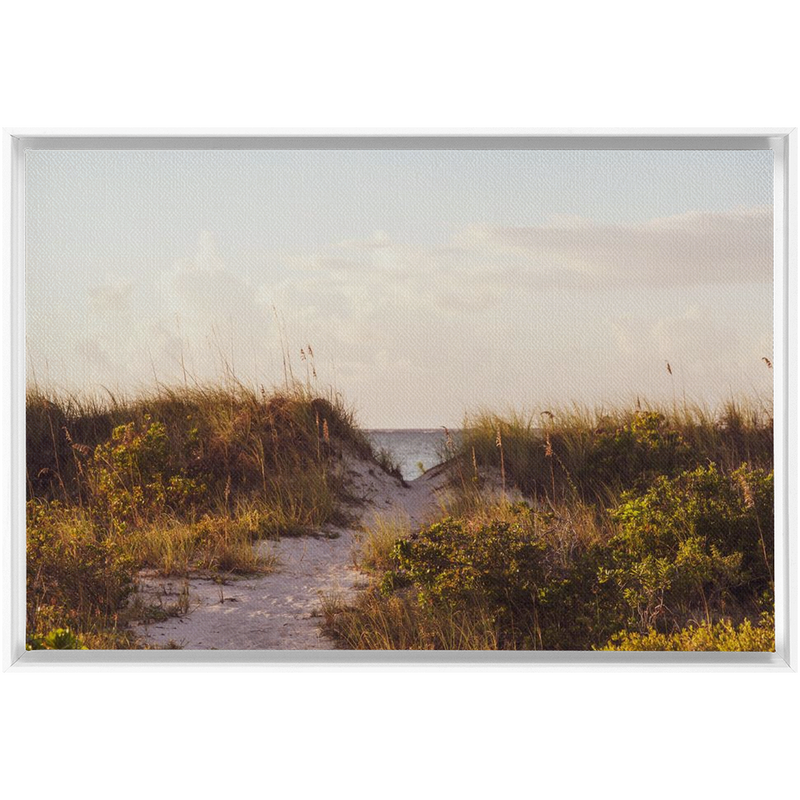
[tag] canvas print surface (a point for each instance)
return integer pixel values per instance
(399, 399)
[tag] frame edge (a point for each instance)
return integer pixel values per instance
(14, 655)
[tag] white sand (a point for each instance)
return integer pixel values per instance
(280, 611)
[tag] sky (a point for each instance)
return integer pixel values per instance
(428, 284)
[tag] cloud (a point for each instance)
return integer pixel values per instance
(713, 354)
(413, 333)
(695, 335)
(698, 247)
(483, 265)
(214, 312)
(205, 259)
(196, 319)
(570, 308)
(112, 298)
(361, 288)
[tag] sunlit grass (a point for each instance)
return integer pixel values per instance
(591, 497)
(178, 481)
(374, 543)
(554, 452)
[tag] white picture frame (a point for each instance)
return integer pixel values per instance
(783, 143)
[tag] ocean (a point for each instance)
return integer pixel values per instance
(413, 450)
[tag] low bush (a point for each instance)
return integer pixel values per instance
(498, 567)
(632, 454)
(133, 478)
(57, 639)
(508, 578)
(719, 636)
(690, 543)
(77, 575)
(681, 560)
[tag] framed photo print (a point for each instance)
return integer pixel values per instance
(508, 398)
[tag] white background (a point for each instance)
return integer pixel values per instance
(386, 732)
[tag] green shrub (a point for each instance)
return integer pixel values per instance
(687, 542)
(720, 636)
(133, 476)
(634, 453)
(74, 570)
(577, 607)
(696, 546)
(451, 562)
(498, 567)
(57, 639)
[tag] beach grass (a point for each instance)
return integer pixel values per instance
(642, 528)
(181, 480)
(633, 528)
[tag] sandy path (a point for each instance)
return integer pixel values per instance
(280, 611)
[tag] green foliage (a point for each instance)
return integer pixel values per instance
(633, 453)
(578, 607)
(568, 453)
(58, 639)
(497, 566)
(133, 477)
(451, 562)
(72, 563)
(719, 636)
(681, 560)
(76, 574)
(689, 541)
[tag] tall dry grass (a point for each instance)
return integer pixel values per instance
(596, 453)
(645, 527)
(179, 480)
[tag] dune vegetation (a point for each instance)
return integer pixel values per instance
(179, 481)
(636, 529)
(633, 529)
